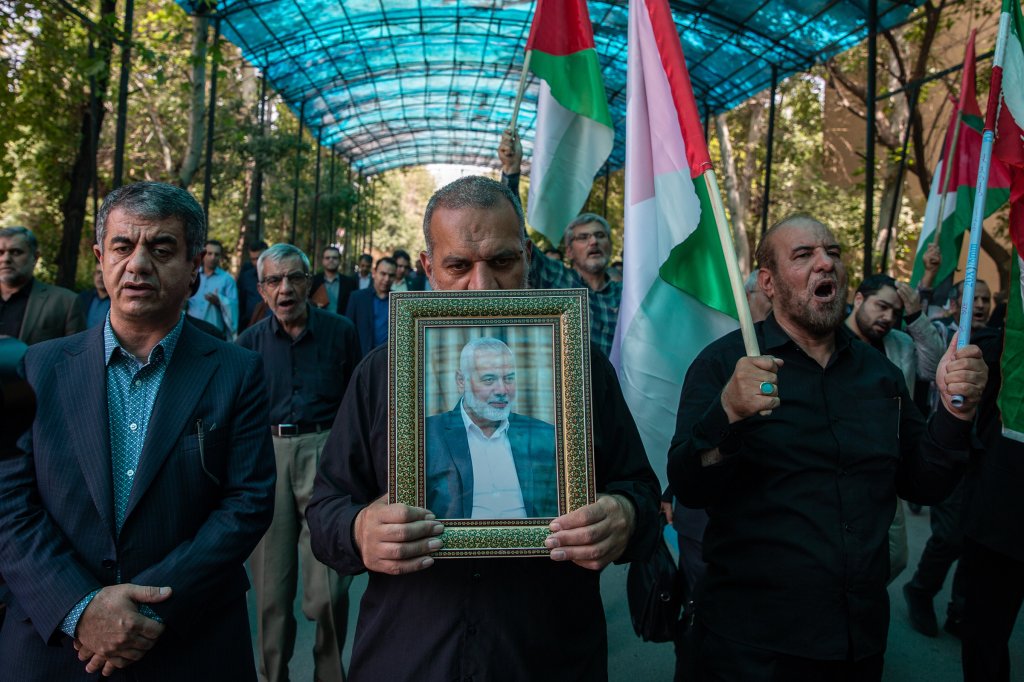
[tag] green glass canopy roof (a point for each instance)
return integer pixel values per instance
(392, 83)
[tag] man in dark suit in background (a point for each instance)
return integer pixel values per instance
(147, 478)
(406, 279)
(330, 289)
(30, 310)
(368, 308)
(248, 288)
(94, 301)
(483, 460)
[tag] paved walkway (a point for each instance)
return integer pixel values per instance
(910, 656)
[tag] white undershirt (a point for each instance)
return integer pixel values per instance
(496, 490)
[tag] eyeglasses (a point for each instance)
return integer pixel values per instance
(295, 278)
(584, 237)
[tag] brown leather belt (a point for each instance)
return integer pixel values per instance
(289, 430)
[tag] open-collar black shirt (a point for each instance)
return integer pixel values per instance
(509, 619)
(307, 376)
(801, 504)
(12, 311)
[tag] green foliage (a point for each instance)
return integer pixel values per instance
(400, 197)
(45, 67)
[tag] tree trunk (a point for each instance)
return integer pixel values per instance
(250, 231)
(887, 221)
(737, 206)
(197, 109)
(79, 175)
(999, 254)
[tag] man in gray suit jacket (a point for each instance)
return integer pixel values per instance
(146, 479)
(30, 310)
(483, 460)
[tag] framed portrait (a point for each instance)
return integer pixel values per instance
(490, 414)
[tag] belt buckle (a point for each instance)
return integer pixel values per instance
(286, 430)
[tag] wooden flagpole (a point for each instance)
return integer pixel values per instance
(522, 89)
(732, 265)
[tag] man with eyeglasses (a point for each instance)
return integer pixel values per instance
(308, 354)
(588, 246)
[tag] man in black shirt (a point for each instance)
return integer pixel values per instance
(485, 619)
(798, 456)
(309, 355)
(992, 562)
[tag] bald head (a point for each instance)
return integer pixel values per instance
(765, 255)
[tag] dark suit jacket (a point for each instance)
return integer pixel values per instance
(414, 281)
(360, 311)
(192, 519)
(52, 312)
(450, 469)
(346, 285)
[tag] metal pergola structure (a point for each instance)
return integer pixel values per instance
(385, 84)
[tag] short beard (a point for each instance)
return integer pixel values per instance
(484, 410)
(819, 323)
(593, 268)
(867, 330)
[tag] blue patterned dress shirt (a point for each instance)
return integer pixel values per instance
(132, 387)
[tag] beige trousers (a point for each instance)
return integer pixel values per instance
(275, 567)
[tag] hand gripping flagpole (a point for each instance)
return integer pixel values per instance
(978, 215)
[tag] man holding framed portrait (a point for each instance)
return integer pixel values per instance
(427, 619)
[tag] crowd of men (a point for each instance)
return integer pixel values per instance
(202, 422)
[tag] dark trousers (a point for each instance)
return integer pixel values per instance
(689, 525)
(993, 591)
(943, 548)
(722, 660)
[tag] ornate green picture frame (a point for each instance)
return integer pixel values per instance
(541, 398)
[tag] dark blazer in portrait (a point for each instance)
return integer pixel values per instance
(346, 286)
(449, 485)
(196, 510)
(51, 312)
(360, 311)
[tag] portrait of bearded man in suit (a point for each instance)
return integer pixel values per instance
(483, 460)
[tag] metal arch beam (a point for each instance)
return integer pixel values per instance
(341, 60)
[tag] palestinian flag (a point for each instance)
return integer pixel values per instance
(574, 134)
(961, 154)
(1011, 393)
(1009, 148)
(676, 296)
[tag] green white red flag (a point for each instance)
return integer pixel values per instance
(1009, 148)
(1011, 393)
(574, 133)
(962, 152)
(676, 296)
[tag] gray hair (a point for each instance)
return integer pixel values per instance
(18, 231)
(471, 191)
(583, 219)
(278, 253)
(484, 343)
(157, 201)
